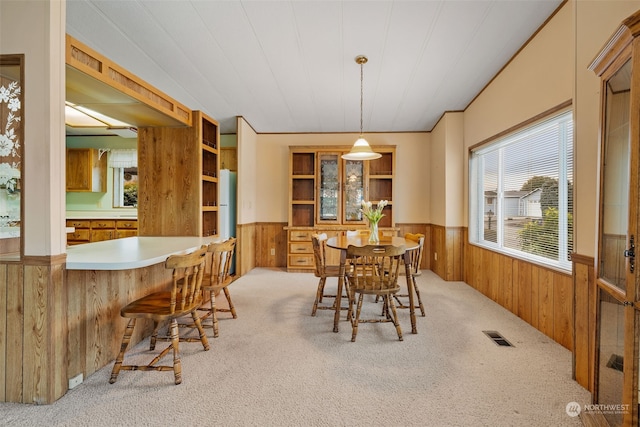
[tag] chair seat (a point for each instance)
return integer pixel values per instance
(156, 306)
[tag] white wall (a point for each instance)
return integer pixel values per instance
(412, 190)
(248, 176)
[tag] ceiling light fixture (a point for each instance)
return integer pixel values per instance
(361, 149)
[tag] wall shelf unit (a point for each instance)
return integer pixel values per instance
(178, 174)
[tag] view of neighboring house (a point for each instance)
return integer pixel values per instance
(517, 203)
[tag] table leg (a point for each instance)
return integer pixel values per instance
(410, 291)
(338, 300)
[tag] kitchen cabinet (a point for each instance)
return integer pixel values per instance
(97, 230)
(128, 228)
(86, 170)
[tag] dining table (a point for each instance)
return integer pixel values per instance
(342, 242)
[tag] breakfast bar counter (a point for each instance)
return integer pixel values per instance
(130, 252)
(103, 277)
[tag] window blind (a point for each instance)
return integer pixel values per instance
(521, 192)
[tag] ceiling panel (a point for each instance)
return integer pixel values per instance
(288, 66)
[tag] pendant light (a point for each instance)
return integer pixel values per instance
(361, 150)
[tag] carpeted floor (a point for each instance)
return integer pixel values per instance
(277, 366)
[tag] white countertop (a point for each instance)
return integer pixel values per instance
(130, 252)
(123, 213)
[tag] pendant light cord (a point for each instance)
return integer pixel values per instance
(361, 93)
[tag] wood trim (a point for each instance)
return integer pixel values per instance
(584, 289)
(83, 58)
(50, 260)
(582, 259)
(528, 122)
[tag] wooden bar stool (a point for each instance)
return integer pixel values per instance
(183, 299)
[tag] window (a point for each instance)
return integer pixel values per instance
(125, 187)
(125, 177)
(521, 193)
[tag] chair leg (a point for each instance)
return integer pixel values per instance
(319, 293)
(355, 321)
(126, 338)
(415, 287)
(389, 302)
(232, 309)
(175, 343)
(203, 336)
(214, 316)
(154, 336)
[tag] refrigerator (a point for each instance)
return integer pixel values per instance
(227, 183)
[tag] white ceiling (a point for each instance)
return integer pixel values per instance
(289, 66)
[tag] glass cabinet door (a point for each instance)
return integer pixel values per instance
(616, 269)
(354, 190)
(329, 184)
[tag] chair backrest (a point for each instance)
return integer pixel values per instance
(187, 279)
(221, 260)
(375, 267)
(319, 240)
(415, 256)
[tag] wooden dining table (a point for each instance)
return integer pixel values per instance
(342, 242)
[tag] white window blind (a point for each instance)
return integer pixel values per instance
(123, 158)
(521, 193)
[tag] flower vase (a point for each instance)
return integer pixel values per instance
(373, 233)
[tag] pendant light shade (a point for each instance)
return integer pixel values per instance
(361, 150)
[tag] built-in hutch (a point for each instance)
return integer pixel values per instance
(326, 193)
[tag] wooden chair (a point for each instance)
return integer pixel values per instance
(163, 307)
(375, 270)
(322, 271)
(217, 279)
(415, 257)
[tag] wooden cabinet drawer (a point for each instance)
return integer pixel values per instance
(126, 233)
(102, 223)
(78, 223)
(300, 248)
(301, 261)
(98, 235)
(81, 235)
(300, 236)
(131, 224)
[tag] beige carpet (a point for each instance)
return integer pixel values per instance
(277, 366)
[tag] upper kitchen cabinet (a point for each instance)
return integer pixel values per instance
(86, 170)
(178, 170)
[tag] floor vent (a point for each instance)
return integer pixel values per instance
(497, 338)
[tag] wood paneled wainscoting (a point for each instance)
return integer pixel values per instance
(584, 286)
(446, 252)
(540, 296)
(256, 242)
(33, 335)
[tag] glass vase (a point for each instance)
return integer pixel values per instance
(374, 238)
